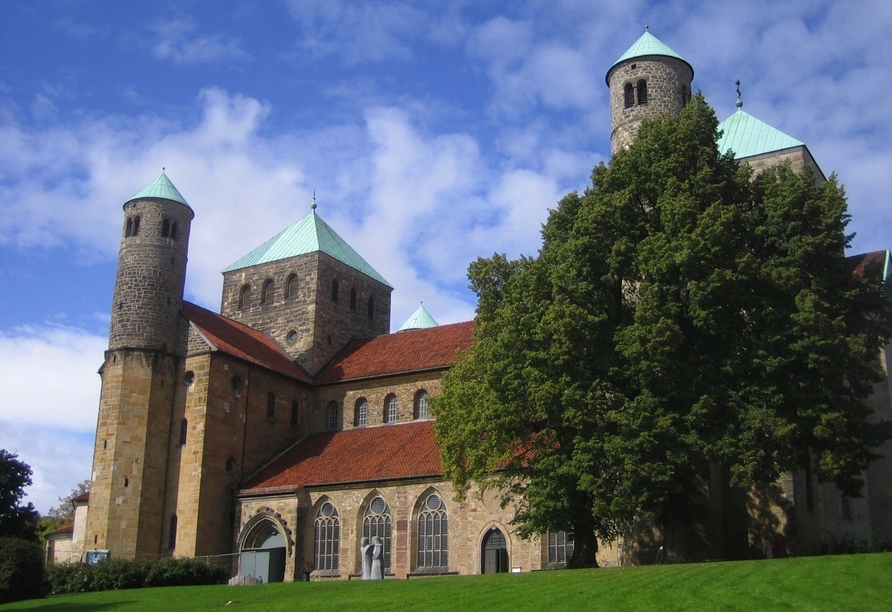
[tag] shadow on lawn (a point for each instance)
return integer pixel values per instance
(70, 606)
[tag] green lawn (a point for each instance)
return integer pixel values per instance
(852, 582)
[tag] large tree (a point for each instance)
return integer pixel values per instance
(16, 520)
(680, 315)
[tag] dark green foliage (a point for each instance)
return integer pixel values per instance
(116, 574)
(16, 521)
(21, 570)
(680, 315)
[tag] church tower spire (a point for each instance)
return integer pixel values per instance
(649, 80)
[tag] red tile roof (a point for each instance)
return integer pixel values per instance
(82, 497)
(401, 450)
(61, 530)
(873, 263)
(238, 340)
(408, 351)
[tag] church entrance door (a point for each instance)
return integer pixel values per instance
(266, 562)
(495, 552)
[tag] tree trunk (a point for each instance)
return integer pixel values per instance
(585, 546)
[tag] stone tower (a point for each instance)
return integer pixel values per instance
(139, 375)
(648, 80)
(309, 291)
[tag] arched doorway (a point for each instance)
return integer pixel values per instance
(494, 556)
(263, 553)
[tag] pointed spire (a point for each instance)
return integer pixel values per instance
(161, 187)
(647, 45)
(420, 319)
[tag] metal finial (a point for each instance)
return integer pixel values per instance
(739, 102)
(313, 205)
(646, 28)
(163, 169)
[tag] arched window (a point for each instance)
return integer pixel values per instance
(377, 523)
(327, 540)
(266, 294)
(371, 308)
(165, 229)
(560, 546)
(244, 297)
(433, 534)
(294, 412)
(353, 299)
(642, 92)
(421, 404)
(334, 291)
(271, 405)
(628, 95)
(184, 428)
(333, 415)
(135, 225)
(291, 286)
(172, 536)
(361, 413)
(173, 230)
(129, 229)
(390, 409)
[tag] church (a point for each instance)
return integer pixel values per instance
(278, 433)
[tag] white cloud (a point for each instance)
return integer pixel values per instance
(176, 41)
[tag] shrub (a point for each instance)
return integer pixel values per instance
(117, 574)
(21, 570)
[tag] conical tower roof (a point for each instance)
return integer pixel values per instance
(161, 187)
(748, 136)
(308, 235)
(420, 319)
(647, 45)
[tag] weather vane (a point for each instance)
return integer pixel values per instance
(739, 102)
(313, 205)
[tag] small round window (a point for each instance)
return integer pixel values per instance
(292, 336)
(327, 509)
(189, 377)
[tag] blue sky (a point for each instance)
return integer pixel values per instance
(431, 132)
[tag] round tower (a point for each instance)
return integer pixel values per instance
(151, 269)
(648, 80)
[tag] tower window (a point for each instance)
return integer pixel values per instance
(173, 230)
(628, 96)
(334, 291)
(271, 405)
(165, 229)
(266, 294)
(244, 296)
(642, 92)
(353, 300)
(132, 228)
(184, 429)
(291, 286)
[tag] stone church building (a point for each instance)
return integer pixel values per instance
(293, 423)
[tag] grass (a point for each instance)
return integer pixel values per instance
(851, 582)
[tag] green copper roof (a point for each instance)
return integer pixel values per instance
(648, 44)
(747, 136)
(420, 319)
(161, 187)
(308, 235)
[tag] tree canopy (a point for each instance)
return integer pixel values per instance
(680, 314)
(16, 520)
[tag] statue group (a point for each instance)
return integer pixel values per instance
(372, 558)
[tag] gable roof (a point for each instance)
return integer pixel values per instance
(308, 235)
(648, 44)
(420, 319)
(161, 187)
(748, 136)
(875, 263)
(361, 454)
(409, 351)
(239, 340)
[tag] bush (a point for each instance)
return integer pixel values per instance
(117, 574)
(21, 570)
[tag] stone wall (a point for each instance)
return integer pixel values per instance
(150, 277)
(799, 159)
(375, 391)
(668, 90)
(297, 309)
